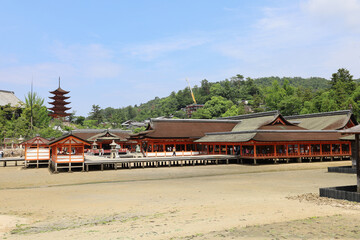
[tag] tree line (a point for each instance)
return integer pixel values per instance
(229, 97)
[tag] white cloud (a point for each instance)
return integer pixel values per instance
(313, 38)
(340, 13)
(93, 61)
(41, 73)
(150, 51)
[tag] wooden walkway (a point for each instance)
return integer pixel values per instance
(12, 159)
(129, 163)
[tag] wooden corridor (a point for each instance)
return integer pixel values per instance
(128, 163)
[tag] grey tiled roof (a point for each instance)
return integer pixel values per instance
(8, 97)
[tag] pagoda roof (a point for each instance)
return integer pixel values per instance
(59, 114)
(59, 97)
(59, 91)
(59, 108)
(58, 103)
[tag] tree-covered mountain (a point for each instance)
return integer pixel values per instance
(227, 97)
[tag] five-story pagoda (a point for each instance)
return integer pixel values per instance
(59, 109)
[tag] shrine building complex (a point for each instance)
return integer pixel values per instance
(255, 138)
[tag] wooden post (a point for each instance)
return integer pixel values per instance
(320, 149)
(357, 161)
(340, 148)
(331, 149)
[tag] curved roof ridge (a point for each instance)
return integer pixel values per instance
(195, 120)
(340, 112)
(253, 115)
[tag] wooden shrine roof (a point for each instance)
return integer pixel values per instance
(185, 128)
(36, 140)
(273, 136)
(69, 135)
(254, 121)
(324, 121)
(90, 134)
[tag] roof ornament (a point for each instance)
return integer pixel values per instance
(59, 81)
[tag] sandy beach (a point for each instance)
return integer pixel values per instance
(201, 202)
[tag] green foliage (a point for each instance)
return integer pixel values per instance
(16, 122)
(234, 110)
(213, 108)
(140, 129)
(221, 99)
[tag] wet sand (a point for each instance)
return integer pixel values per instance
(201, 202)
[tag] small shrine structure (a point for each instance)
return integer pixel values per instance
(68, 152)
(37, 151)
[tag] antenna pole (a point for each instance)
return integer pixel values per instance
(192, 94)
(31, 105)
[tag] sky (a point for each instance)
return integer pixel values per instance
(122, 52)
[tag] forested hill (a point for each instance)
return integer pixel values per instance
(315, 83)
(238, 95)
(228, 97)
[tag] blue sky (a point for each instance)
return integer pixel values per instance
(119, 53)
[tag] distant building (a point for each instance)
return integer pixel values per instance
(130, 124)
(9, 98)
(192, 108)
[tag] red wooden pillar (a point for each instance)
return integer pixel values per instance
(275, 153)
(287, 150)
(320, 149)
(350, 150)
(331, 152)
(340, 148)
(69, 149)
(254, 150)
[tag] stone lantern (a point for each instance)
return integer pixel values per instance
(21, 139)
(94, 147)
(113, 149)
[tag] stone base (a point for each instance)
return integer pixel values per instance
(342, 169)
(343, 192)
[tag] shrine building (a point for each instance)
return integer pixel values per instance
(258, 136)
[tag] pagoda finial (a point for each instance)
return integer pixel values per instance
(59, 81)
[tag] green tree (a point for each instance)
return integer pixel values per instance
(96, 114)
(213, 108)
